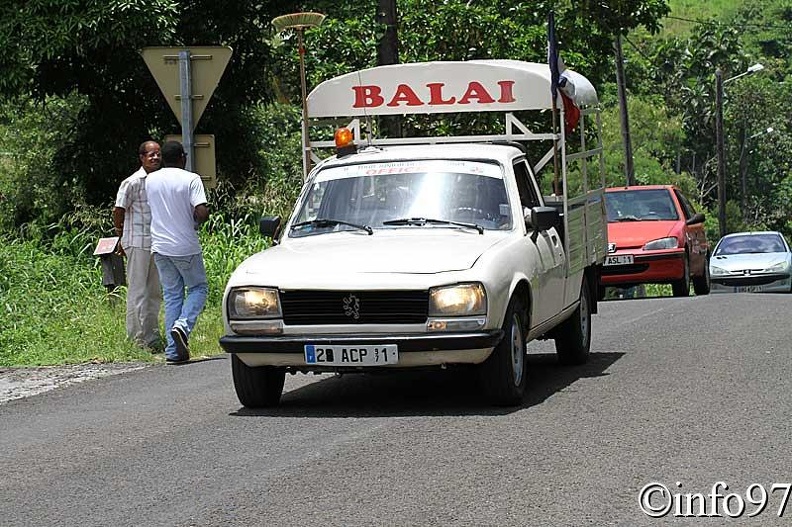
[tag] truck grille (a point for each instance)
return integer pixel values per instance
(354, 307)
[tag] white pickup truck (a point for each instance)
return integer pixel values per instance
(421, 252)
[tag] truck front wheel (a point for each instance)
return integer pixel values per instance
(503, 374)
(258, 387)
(573, 340)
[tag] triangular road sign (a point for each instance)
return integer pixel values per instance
(206, 67)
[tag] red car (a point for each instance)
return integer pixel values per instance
(655, 236)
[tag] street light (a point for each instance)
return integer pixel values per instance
(763, 132)
(299, 22)
(719, 82)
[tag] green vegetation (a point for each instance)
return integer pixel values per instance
(56, 311)
(686, 13)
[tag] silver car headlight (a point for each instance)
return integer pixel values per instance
(253, 303)
(717, 271)
(777, 268)
(662, 243)
(459, 300)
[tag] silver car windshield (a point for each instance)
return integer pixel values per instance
(751, 244)
(405, 195)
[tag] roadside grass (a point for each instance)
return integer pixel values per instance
(54, 309)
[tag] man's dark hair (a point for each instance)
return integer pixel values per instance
(172, 152)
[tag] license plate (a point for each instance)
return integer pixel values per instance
(748, 289)
(363, 355)
(619, 259)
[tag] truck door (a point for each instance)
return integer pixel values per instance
(545, 250)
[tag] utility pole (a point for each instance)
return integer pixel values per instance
(743, 168)
(621, 82)
(388, 48)
(721, 152)
(388, 53)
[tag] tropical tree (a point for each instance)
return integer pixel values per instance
(759, 163)
(89, 52)
(91, 49)
(684, 70)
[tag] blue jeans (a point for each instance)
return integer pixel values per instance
(177, 273)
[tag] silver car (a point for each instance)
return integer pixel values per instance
(751, 262)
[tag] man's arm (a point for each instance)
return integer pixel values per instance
(201, 213)
(118, 220)
(118, 223)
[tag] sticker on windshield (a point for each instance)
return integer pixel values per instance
(412, 167)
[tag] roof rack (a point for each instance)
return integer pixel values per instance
(444, 87)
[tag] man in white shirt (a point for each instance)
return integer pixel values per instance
(178, 207)
(132, 222)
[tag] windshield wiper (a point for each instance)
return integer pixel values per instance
(327, 222)
(627, 218)
(424, 221)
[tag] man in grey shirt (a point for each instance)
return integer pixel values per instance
(132, 222)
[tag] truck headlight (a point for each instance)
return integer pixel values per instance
(662, 243)
(459, 300)
(253, 303)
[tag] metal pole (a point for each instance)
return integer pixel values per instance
(306, 139)
(743, 168)
(185, 84)
(629, 167)
(721, 151)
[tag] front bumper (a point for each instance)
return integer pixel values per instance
(414, 349)
(655, 267)
(763, 283)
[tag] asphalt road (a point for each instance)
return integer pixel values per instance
(679, 392)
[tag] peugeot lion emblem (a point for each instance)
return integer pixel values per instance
(611, 247)
(352, 306)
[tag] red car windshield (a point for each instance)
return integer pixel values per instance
(640, 205)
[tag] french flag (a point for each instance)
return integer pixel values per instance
(557, 79)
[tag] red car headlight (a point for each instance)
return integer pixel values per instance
(662, 243)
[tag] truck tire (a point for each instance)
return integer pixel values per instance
(573, 336)
(682, 287)
(258, 387)
(503, 374)
(701, 284)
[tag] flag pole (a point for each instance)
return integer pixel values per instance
(552, 60)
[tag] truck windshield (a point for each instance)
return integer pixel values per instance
(452, 193)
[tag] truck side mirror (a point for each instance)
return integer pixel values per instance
(270, 226)
(542, 218)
